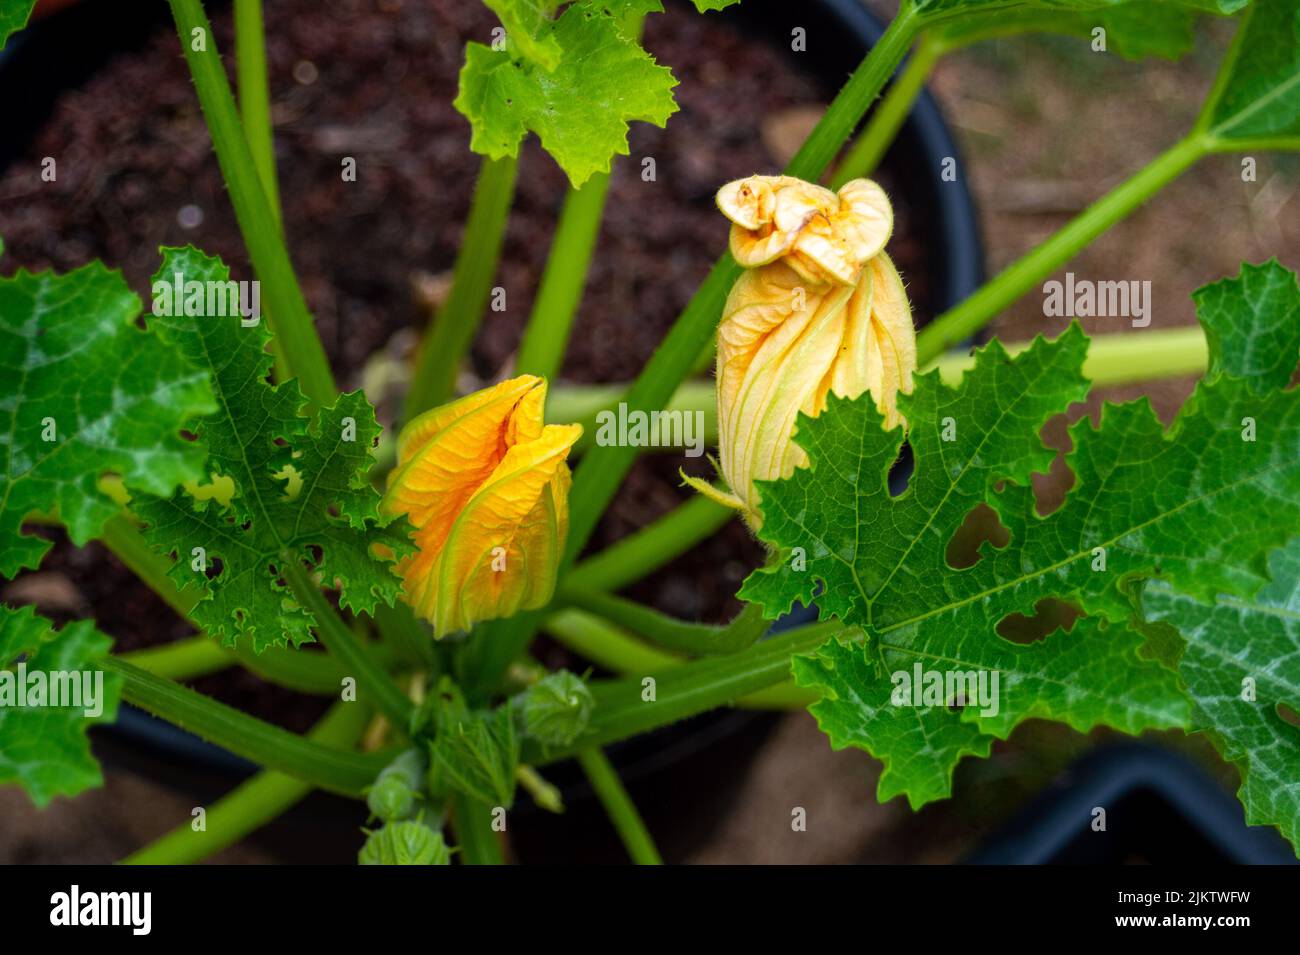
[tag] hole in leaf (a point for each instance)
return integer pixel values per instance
(981, 524)
(1288, 715)
(1050, 615)
(1051, 488)
(900, 472)
(213, 568)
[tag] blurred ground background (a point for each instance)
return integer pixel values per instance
(1046, 126)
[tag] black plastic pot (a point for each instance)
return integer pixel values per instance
(1160, 809)
(683, 776)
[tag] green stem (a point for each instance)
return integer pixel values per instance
(305, 672)
(685, 690)
(452, 330)
(547, 334)
(295, 338)
(606, 645)
(1118, 359)
(252, 804)
(589, 401)
(255, 95)
(887, 119)
(974, 313)
(185, 659)
(619, 807)
(329, 768)
(646, 550)
(255, 111)
(697, 639)
(603, 468)
(472, 822)
(356, 659)
(1173, 352)
(560, 292)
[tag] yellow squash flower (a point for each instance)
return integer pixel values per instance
(485, 484)
(820, 308)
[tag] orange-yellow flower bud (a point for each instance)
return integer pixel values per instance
(485, 484)
(821, 308)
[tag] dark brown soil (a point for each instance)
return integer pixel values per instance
(375, 80)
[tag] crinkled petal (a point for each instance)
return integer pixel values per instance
(502, 396)
(508, 522)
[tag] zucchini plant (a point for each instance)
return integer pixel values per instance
(206, 445)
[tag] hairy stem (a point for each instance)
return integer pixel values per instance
(962, 321)
(326, 767)
(472, 822)
(255, 95)
(560, 292)
(698, 639)
(253, 804)
(646, 550)
(297, 345)
(305, 672)
(619, 807)
(623, 710)
(887, 119)
(452, 331)
(356, 658)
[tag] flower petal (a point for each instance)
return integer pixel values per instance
(514, 510)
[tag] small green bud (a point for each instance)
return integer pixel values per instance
(396, 792)
(556, 709)
(405, 843)
(391, 799)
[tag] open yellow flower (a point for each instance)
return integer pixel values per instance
(821, 308)
(485, 484)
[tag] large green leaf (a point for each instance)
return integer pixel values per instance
(87, 393)
(331, 521)
(580, 108)
(1241, 665)
(1257, 95)
(1199, 505)
(44, 747)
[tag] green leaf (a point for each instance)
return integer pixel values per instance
(44, 747)
(556, 709)
(1241, 665)
(88, 393)
(580, 109)
(13, 17)
(705, 6)
(920, 746)
(1253, 324)
(477, 754)
(1199, 505)
(404, 843)
(528, 29)
(1257, 94)
(327, 516)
